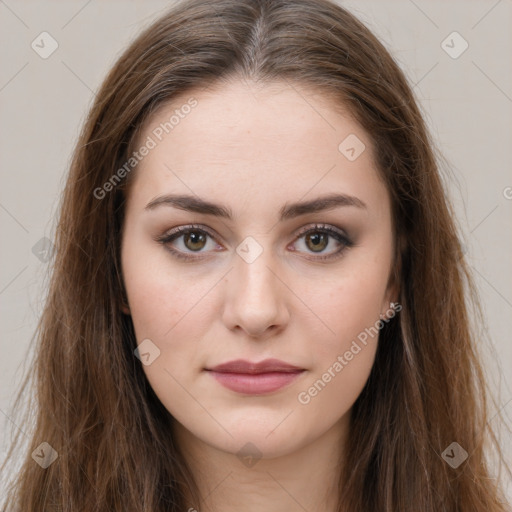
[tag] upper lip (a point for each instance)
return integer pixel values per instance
(265, 366)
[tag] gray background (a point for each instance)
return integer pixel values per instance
(467, 102)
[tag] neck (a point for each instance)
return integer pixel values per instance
(306, 479)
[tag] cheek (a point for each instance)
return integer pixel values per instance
(158, 299)
(343, 359)
(349, 308)
(175, 310)
(156, 305)
(166, 309)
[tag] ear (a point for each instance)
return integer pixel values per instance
(123, 300)
(390, 302)
(392, 295)
(124, 306)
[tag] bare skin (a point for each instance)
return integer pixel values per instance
(256, 149)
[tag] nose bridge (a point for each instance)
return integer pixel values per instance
(256, 275)
(255, 295)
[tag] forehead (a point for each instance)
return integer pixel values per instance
(242, 140)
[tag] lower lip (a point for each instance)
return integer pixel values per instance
(255, 384)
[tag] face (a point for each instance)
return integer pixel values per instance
(229, 252)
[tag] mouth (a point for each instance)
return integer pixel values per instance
(255, 378)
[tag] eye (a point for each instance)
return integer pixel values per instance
(184, 241)
(319, 237)
(190, 238)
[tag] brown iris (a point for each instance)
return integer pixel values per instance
(319, 241)
(194, 240)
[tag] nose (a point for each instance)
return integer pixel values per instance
(255, 297)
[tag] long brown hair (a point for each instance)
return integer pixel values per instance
(92, 402)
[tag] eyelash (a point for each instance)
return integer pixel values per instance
(174, 234)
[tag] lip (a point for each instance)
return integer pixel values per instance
(247, 367)
(259, 378)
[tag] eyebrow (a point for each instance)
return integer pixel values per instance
(288, 211)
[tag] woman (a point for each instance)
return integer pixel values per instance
(258, 299)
